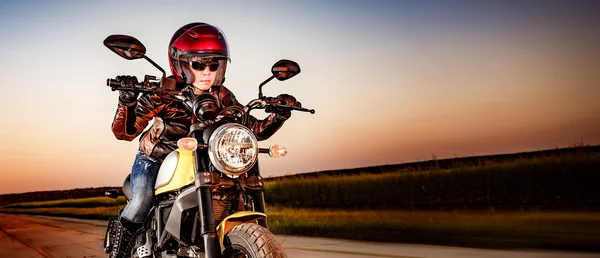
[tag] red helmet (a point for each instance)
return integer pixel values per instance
(197, 40)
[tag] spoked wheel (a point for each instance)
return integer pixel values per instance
(251, 240)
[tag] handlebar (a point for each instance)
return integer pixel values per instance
(153, 85)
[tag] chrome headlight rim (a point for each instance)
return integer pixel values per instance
(219, 163)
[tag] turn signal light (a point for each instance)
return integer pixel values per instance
(187, 143)
(276, 151)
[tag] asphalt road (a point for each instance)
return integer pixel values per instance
(37, 236)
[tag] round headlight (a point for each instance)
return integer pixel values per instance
(233, 149)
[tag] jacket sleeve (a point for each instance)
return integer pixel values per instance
(130, 121)
(263, 129)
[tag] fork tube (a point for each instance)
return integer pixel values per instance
(207, 218)
(259, 205)
(208, 230)
(258, 197)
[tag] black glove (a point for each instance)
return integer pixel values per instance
(286, 99)
(289, 100)
(127, 98)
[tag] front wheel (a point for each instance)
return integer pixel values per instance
(250, 240)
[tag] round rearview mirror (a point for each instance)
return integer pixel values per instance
(125, 46)
(285, 69)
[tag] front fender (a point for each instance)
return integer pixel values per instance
(236, 219)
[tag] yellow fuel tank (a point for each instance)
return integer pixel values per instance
(176, 171)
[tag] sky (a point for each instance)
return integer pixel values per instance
(391, 81)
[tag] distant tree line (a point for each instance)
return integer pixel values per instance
(6, 199)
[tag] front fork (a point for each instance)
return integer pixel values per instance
(203, 181)
(258, 195)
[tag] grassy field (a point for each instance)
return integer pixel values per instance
(91, 202)
(86, 208)
(554, 182)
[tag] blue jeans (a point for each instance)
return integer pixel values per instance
(143, 179)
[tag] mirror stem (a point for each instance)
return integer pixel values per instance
(260, 94)
(156, 65)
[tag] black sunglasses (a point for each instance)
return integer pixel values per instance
(199, 66)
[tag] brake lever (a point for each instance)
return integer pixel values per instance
(312, 111)
(275, 106)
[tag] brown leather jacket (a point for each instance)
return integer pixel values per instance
(172, 122)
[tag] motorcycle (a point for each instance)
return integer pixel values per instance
(209, 194)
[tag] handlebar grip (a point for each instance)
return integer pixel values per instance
(118, 83)
(112, 83)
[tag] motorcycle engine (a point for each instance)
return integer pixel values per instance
(221, 205)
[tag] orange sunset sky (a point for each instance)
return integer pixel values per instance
(391, 81)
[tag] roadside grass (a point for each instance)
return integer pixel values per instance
(554, 230)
